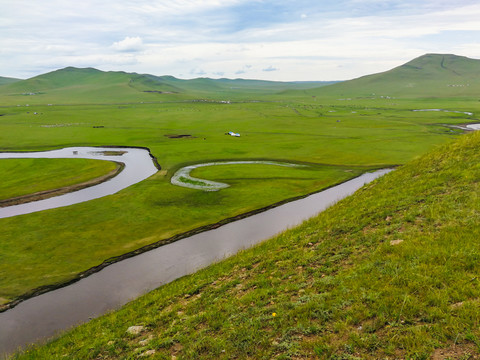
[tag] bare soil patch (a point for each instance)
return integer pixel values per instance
(459, 351)
(180, 136)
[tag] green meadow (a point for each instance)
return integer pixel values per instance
(26, 176)
(337, 141)
(337, 131)
(388, 273)
(337, 138)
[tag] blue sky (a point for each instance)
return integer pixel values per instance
(256, 39)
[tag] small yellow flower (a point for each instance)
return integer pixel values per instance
(274, 314)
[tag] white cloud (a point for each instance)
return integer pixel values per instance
(129, 44)
(161, 37)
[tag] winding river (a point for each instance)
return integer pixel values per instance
(183, 178)
(43, 316)
(138, 166)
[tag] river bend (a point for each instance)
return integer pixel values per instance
(44, 316)
(138, 166)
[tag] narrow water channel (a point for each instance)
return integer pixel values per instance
(138, 166)
(43, 316)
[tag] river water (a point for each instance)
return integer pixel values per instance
(138, 166)
(43, 316)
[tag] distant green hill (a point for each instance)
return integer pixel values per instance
(7, 80)
(88, 85)
(431, 75)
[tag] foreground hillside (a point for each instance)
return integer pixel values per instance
(391, 272)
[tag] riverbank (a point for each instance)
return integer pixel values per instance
(47, 288)
(84, 235)
(123, 225)
(137, 165)
(43, 316)
(25, 176)
(46, 194)
(391, 272)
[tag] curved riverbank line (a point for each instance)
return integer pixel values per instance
(137, 162)
(41, 317)
(183, 178)
(41, 195)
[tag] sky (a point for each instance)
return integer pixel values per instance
(301, 40)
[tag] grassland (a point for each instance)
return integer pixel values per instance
(47, 174)
(390, 272)
(337, 137)
(7, 80)
(343, 137)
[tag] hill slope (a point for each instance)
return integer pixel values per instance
(7, 80)
(88, 85)
(430, 75)
(391, 272)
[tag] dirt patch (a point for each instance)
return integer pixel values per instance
(459, 351)
(180, 136)
(41, 195)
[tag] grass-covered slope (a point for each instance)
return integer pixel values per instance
(74, 86)
(7, 80)
(391, 272)
(88, 85)
(431, 75)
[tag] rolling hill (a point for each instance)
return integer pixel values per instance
(88, 85)
(7, 80)
(431, 75)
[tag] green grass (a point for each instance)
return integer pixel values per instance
(94, 108)
(369, 135)
(7, 80)
(47, 174)
(390, 272)
(338, 287)
(82, 236)
(86, 86)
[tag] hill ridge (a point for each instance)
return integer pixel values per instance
(429, 75)
(90, 85)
